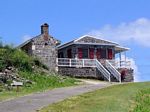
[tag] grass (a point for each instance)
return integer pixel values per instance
(118, 98)
(143, 101)
(41, 82)
(27, 68)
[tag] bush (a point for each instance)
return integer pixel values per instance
(21, 60)
(16, 58)
(40, 64)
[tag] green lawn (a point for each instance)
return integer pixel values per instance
(118, 98)
(40, 83)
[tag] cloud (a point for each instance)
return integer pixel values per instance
(138, 31)
(26, 37)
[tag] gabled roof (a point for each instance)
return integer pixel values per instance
(26, 42)
(92, 40)
(104, 40)
(30, 40)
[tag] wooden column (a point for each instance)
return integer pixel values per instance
(120, 58)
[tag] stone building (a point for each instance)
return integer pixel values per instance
(92, 57)
(43, 47)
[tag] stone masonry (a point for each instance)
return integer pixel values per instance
(43, 47)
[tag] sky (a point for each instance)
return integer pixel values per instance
(124, 21)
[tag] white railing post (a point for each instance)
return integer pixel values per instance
(70, 62)
(83, 63)
(109, 78)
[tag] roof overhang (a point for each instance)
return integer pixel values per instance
(119, 49)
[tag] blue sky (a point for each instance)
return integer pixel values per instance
(124, 21)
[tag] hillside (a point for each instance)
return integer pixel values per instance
(17, 66)
(131, 97)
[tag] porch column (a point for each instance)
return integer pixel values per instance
(125, 63)
(125, 55)
(120, 59)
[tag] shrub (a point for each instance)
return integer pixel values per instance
(38, 63)
(16, 58)
(21, 60)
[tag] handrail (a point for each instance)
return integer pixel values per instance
(102, 69)
(113, 70)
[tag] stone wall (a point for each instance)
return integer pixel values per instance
(46, 51)
(127, 75)
(87, 72)
(78, 72)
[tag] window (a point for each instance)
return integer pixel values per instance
(91, 53)
(80, 53)
(110, 53)
(98, 53)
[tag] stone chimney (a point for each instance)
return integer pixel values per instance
(45, 31)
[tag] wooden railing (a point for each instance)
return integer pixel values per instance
(120, 64)
(76, 62)
(91, 63)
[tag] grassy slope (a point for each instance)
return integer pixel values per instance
(40, 83)
(118, 98)
(28, 68)
(143, 101)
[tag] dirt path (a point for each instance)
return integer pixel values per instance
(34, 102)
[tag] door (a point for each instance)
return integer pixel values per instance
(98, 53)
(80, 53)
(91, 53)
(110, 54)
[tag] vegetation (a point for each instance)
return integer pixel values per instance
(142, 101)
(29, 70)
(40, 82)
(118, 98)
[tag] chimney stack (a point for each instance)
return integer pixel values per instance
(45, 29)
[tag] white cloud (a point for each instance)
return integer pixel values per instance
(138, 31)
(26, 37)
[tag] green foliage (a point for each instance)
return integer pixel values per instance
(143, 101)
(37, 82)
(16, 58)
(2, 59)
(21, 60)
(39, 63)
